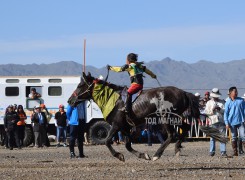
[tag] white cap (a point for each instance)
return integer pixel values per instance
(197, 94)
(37, 106)
(101, 77)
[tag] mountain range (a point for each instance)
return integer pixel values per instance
(199, 76)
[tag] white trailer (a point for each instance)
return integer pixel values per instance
(54, 90)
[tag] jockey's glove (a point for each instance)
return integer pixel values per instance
(108, 66)
(154, 76)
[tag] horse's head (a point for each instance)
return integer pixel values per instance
(83, 90)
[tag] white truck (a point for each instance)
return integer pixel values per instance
(54, 90)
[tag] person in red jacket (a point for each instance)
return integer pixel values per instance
(21, 124)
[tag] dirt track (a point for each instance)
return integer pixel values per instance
(54, 163)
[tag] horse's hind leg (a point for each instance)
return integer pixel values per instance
(116, 154)
(185, 128)
(163, 146)
(130, 149)
(177, 147)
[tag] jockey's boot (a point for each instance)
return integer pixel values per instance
(128, 105)
(234, 147)
(240, 144)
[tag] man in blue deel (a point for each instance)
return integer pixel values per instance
(76, 120)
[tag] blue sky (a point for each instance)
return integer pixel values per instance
(49, 31)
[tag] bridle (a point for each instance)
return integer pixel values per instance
(88, 90)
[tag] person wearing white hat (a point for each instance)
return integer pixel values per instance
(214, 110)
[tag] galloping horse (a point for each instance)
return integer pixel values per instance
(146, 105)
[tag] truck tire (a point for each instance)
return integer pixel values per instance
(28, 139)
(98, 132)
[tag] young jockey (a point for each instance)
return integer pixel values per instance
(135, 70)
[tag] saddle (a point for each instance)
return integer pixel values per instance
(130, 115)
(124, 94)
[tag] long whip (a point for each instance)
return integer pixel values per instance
(158, 83)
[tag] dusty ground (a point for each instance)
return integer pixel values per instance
(54, 163)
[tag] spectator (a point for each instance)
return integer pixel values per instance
(201, 108)
(228, 96)
(240, 148)
(21, 124)
(48, 117)
(40, 121)
(15, 108)
(198, 96)
(243, 97)
(234, 117)
(34, 94)
(120, 139)
(10, 122)
(5, 135)
(214, 110)
(76, 118)
(45, 110)
(206, 98)
(61, 122)
(153, 129)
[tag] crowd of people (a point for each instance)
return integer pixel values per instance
(14, 126)
(224, 115)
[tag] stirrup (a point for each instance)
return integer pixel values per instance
(130, 121)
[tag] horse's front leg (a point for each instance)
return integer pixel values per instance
(116, 154)
(128, 142)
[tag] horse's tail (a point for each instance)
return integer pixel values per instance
(214, 133)
(193, 105)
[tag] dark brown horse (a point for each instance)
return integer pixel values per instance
(163, 106)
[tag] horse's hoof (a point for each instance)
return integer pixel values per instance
(177, 154)
(155, 158)
(147, 157)
(120, 157)
(177, 151)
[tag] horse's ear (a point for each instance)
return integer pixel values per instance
(84, 76)
(89, 75)
(90, 78)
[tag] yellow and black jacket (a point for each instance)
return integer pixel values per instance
(135, 71)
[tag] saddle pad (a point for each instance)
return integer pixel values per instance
(105, 98)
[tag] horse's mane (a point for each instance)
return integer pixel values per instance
(110, 85)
